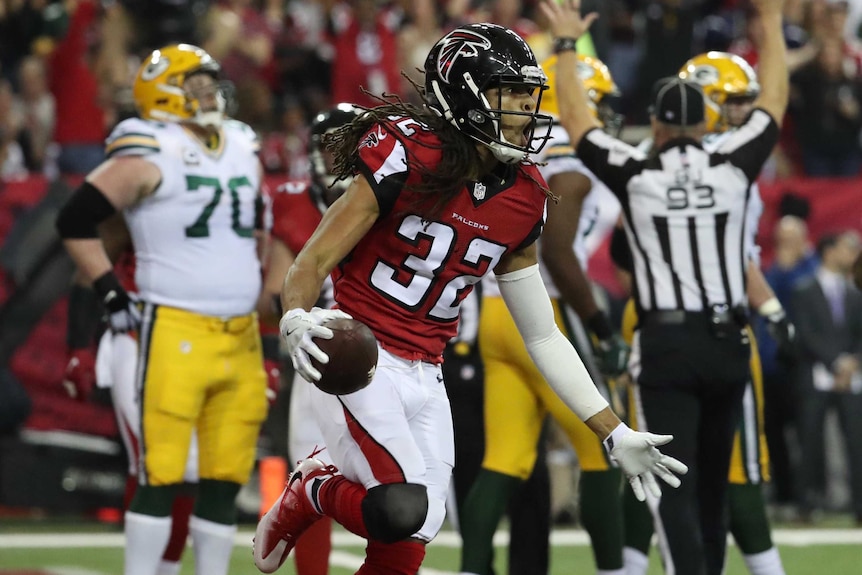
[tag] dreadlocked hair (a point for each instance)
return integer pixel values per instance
(459, 161)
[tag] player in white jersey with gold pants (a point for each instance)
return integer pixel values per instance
(187, 182)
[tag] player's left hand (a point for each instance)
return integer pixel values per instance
(613, 355)
(637, 455)
(298, 328)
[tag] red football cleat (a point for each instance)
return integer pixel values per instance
(288, 518)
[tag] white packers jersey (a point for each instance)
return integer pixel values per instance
(193, 237)
(600, 210)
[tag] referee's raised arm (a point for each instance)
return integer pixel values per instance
(772, 61)
(567, 26)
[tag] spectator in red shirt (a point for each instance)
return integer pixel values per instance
(364, 38)
(80, 128)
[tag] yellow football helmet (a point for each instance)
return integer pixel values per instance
(723, 76)
(598, 83)
(159, 90)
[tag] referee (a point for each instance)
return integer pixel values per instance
(684, 215)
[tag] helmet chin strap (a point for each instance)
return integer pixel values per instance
(505, 154)
(213, 118)
(447, 111)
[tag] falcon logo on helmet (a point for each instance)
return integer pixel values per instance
(459, 43)
(467, 62)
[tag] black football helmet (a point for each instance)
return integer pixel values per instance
(471, 59)
(326, 185)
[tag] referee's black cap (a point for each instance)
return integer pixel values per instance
(678, 102)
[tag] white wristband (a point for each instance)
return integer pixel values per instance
(770, 307)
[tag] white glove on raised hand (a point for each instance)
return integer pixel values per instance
(298, 327)
(636, 454)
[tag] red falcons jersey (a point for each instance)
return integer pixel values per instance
(295, 214)
(407, 277)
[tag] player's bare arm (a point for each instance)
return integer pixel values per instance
(762, 299)
(558, 237)
(343, 225)
(759, 291)
(772, 60)
(115, 239)
(279, 259)
(566, 22)
(122, 182)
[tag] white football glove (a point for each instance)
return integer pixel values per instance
(636, 454)
(298, 327)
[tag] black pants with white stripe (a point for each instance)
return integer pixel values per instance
(690, 386)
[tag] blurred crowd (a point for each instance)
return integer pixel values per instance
(66, 71)
(66, 65)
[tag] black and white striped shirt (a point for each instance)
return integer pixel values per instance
(685, 212)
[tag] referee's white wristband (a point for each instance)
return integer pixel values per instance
(770, 307)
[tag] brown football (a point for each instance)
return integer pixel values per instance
(352, 355)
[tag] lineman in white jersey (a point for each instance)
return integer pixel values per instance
(187, 182)
(517, 399)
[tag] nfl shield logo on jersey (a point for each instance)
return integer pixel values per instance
(479, 191)
(191, 157)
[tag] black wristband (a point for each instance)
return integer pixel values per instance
(83, 317)
(565, 44)
(600, 325)
(111, 292)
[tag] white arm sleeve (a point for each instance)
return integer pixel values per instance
(527, 299)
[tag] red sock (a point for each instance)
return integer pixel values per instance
(342, 500)
(312, 549)
(180, 512)
(402, 558)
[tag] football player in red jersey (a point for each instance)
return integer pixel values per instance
(297, 208)
(439, 197)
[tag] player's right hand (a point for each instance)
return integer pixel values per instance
(124, 315)
(122, 308)
(298, 327)
(637, 455)
(80, 375)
